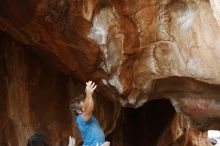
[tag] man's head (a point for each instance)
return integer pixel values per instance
(76, 106)
(38, 139)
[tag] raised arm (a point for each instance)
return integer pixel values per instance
(88, 103)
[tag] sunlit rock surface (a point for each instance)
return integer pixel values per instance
(136, 51)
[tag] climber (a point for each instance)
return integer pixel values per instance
(82, 109)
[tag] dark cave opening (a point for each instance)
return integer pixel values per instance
(142, 126)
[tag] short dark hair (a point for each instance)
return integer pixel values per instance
(38, 139)
(75, 105)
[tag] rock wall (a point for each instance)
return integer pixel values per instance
(136, 51)
(180, 133)
(32, 98)
(35, 98)
(142, 126)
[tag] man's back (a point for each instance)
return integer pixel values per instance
(90, 131)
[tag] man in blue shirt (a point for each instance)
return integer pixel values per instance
(91, 132)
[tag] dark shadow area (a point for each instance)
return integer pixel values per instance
(144, 125)
(33, 97)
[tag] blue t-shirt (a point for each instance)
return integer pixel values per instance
(90, 131)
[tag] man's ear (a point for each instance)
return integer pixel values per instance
(79, 111)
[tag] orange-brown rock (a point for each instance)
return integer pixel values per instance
(180, 133)
(35, 98)
(136, 51)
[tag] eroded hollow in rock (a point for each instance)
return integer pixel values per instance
(143, 126)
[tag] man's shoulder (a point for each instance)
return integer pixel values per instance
(81, 119)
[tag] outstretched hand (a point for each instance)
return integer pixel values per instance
(106, 143)
(90, 87)
(71, 141)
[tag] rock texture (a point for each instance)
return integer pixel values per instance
(180, 133)
(32, 97)
(35, 98)
(136, 51)
(143, 126)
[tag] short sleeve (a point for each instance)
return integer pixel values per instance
(81, 121)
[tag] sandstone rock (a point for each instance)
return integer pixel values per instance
(136, 51)
(36, 97)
